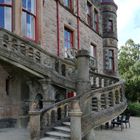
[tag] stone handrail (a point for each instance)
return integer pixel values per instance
(104, 104)
(55, 114)
(31, 57)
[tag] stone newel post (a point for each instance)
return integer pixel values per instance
(34, 125)
(83, 82)
(83, 86)
(75, 116)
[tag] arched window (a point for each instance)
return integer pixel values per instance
(28, 18)
(6, 14)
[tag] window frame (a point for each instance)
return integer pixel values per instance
(110, 25)
(111, 60)
(70, 4)
(9, 6)
(94, 50)
(89, 13)
(96, 20)
(34, 15)
(70, 41)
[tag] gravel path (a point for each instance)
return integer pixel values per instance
(14, 134)
(132, 133)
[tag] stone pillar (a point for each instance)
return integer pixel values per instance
(83, 86)
(49, 92)
(34, 125)
(75, 116)
(83, 79)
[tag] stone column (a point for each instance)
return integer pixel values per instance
(34, 125)
(83, 86)
(75, 116)
(83, 80)
(49, 92)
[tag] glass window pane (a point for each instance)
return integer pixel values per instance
(8, 1)
(66, 2)
(24, 23)
(8, 19)
(91, 51)
(110, 67)
(33, 6)
(29, 5)
(30, 26)
(1, 1)
(2, 17)
(28, 21)
(24, 4)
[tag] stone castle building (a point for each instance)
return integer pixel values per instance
(52, 50)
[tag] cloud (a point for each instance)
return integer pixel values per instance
(126, 11)
(128, 20)
(137, 19)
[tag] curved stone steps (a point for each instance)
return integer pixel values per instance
(64, 129)
(59, 135)
(66, 124)
(49, 138)
(59, 132)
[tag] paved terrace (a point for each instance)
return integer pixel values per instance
(132, 133)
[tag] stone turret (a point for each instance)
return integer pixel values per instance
(109, 25)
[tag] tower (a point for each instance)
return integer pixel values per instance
(109, 25)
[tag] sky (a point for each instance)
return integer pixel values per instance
(128, 21)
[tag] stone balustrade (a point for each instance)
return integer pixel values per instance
(55, 114)
(100, 80)
(32, 58)
(105, 104)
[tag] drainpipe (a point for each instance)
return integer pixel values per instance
(78, 28)
(58, 27)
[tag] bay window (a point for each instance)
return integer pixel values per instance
(6, 14)
(28, 18)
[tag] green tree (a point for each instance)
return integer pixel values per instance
(129, 67)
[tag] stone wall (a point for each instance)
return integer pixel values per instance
(12, 106)
(68, 19)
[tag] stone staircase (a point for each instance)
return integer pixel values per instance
(61, 132)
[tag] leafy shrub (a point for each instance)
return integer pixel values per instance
(134, 109)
